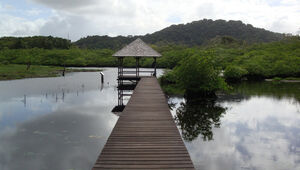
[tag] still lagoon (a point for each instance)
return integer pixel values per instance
(62, 123)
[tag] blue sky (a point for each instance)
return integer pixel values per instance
(131, 17)
(25, 9)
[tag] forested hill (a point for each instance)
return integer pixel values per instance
(34, 42)
(103, 42)
(198, 32)
(195, 33)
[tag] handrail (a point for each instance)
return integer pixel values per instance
(139, 71)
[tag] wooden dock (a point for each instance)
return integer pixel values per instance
(145, 136)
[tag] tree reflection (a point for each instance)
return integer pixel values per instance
(269, 89)
(197, 117)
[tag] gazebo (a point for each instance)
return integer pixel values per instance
(128, 77)
(137, 49)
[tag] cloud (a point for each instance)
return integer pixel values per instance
(66, 4)
(92, 7)
(33, 12)
(16, 26)
(133, 17)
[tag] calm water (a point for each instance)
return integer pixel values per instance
(62, 123)
(58, 123)
(55, 123)
(257, 128)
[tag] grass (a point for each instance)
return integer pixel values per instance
(277, 80)
(15, 71)
(292, 78)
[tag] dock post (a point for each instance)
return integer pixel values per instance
(102, 77)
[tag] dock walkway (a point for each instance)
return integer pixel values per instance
(145, 136)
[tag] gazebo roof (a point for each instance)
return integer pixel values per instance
(137, 48)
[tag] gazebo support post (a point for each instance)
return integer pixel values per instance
(154, 74)
(137, 66)
(120, 82)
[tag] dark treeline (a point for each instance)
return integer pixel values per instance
(58, 57)
(43, 42)
(191, 34)
(104, 42)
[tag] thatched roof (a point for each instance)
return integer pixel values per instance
(137, 48)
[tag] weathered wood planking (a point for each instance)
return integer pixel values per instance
(145, 136)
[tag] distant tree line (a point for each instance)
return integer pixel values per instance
(103, 42)
(43, 42)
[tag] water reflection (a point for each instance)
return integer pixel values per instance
(55, 123)
(64, 139)
(71, 83)
(260, 129)
(195, 117)
(270, 89)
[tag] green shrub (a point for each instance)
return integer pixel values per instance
(285, 69)
(169, 85)
(255, 71)
(199, 77)
(234, 73)
(168, 78)
(5, 62)
(277, 79)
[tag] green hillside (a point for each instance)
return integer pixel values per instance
(191, 34)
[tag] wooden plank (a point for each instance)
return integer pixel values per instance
(145, 136)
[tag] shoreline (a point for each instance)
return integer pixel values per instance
(17, 71)
(284, 80)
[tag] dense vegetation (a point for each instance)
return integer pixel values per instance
(255, 62)
(17, 71)
(8, 72)
(58, 57)
(191, 34)
(34, 42)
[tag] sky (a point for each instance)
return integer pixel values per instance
(75, 19)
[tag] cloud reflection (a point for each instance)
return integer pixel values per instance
(256, 134)
(62, 124)
(65, 139)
